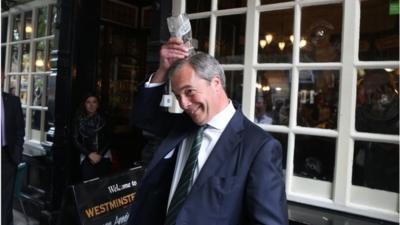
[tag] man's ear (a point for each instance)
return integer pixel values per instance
(216, 81)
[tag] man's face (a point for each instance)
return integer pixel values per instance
(196, 96)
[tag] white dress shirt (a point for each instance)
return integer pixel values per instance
(211, 135)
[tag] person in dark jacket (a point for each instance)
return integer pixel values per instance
(91, 136)
(12, 141)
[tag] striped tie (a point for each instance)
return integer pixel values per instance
(186, 179)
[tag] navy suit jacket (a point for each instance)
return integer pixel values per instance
(240, 183)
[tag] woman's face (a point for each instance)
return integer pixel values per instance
(91, 105)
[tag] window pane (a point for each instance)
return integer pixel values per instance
(28, 25)
(16, 36)
(379, 31)
(4, 28)
(201, 32)
(234, 85)
(14, 59)
(273, 1)
(276, 30)
(3, 59)
(13, 85)
(37, 90)
(376, 165)
(228, 4)
(318, 98)
(272, 97)
(378, 101)
(35, 124)
(39, 58)
(193, 6)
(41, 22)
(314, 157)
(53, 19)
(321, 30)
(26, 60)
(23, 91)
(51, 47)
(230, 39)
(283, 139)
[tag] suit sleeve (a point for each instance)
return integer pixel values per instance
(147, 114)
(265, 194)
(20, 131)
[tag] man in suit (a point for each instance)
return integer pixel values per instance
(12, 140)
(237, 173)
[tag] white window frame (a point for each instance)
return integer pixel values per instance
(33, 138)
(340, 194)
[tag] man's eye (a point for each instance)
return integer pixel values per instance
(189, 92)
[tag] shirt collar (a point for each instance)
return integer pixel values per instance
(221, 120)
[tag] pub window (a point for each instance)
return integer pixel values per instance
(27, 41)
(323, 78)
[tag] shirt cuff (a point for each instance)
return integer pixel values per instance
(151, 85)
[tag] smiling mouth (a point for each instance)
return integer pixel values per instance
(192, 112)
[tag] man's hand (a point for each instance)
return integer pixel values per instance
(171, 51)
(94, 157)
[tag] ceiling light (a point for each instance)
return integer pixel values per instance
(269, 38)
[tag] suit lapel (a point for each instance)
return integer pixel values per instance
(224, 147)
(174, 138)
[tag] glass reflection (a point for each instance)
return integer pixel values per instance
(283, 139)
(272, 104)
(201, 31)
(321, 28)
(53, 19)
(41, 22)
(37, 90)
(228, 4)
(234, 85)
(17, 23)
(314, 157)
(23, 89)
(12, 86)
(276, 37)
(26, 60)
(27, 31)
(36, 114)
(39, 58)
(318, 98)
(14, 67)
(379, 31)
(376, 165)
(230, 39)
(4, 26)
(194, 6)
(377, 109)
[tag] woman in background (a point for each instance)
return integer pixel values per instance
(92, 138)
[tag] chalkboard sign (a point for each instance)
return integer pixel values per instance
(106, 201)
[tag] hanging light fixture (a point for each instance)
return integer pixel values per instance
(303, 43)
(291, 37)
(39, 63)
(281, 45)
(269, 38)
(263, 43)
(28, 29)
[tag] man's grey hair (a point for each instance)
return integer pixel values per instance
(204, 65)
